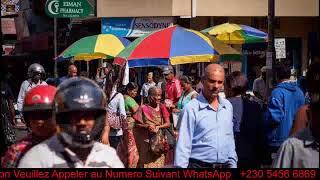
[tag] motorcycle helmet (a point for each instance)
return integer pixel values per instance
(79, 94)
(39, 99)
(34, 69)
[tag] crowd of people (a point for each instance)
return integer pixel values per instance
(81, 122)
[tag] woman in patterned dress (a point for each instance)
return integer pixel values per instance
(127, 149)
(149, 119)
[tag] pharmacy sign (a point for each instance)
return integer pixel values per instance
(68, 8)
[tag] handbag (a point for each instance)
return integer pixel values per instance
(162, 141)
(171, 139)
(158, 143)
(114, 119)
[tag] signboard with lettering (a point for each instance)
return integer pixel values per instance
(68, 8)
(9, 7)
(8, 26)
(134, 27)
(280, 47)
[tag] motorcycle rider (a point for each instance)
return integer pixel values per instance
(79, 109)
(37, 111)
(36, 76)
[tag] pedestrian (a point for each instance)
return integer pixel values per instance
(173, 89)
(37, 111)
(283, 104)
(79, 110)
(36, 76)
(302, 149)
(146, 86)
(127, 149)
(161, 82)
(102, 72)
(259, 85)
(187, 95)
(115, 107)
(206, 132)
(150, 119)
(199, 85)
(72, 72)
(7, 117)
(188, 92)
(247, 121)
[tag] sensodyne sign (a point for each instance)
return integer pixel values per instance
(68, 8)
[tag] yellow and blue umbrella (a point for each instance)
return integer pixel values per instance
(237, 34)
(173, 45)
(102, 46)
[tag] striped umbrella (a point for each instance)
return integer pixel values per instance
(236, 34)
(173, 45)
(102, 46)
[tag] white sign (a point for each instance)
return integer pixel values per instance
(280, 46)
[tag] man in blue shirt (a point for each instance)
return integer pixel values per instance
(72, 72)
(206, 132)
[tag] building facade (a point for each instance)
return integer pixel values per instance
(297, 21)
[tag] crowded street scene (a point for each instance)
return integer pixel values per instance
(153, 84)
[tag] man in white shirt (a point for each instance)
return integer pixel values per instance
(36, 75)
(79, 107)
(146, 86)
(259, 85)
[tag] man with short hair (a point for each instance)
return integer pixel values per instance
(259, 85)
(284, 102)
(79, 107)
(146, 86)
(302, 149)
(72, 72)
(206, 133)
(173, 88)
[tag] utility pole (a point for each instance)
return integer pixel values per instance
(270, 57)
(55, 47)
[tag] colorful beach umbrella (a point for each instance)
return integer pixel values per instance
(172, 45)
(236, 34)
(102, 46)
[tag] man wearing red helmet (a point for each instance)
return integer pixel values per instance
(80, 114)
(37, 111)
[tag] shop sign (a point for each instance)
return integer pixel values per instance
(134, 27)
(8, 26)
(9, 7)
(68, 8)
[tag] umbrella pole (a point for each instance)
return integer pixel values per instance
(88, 68)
